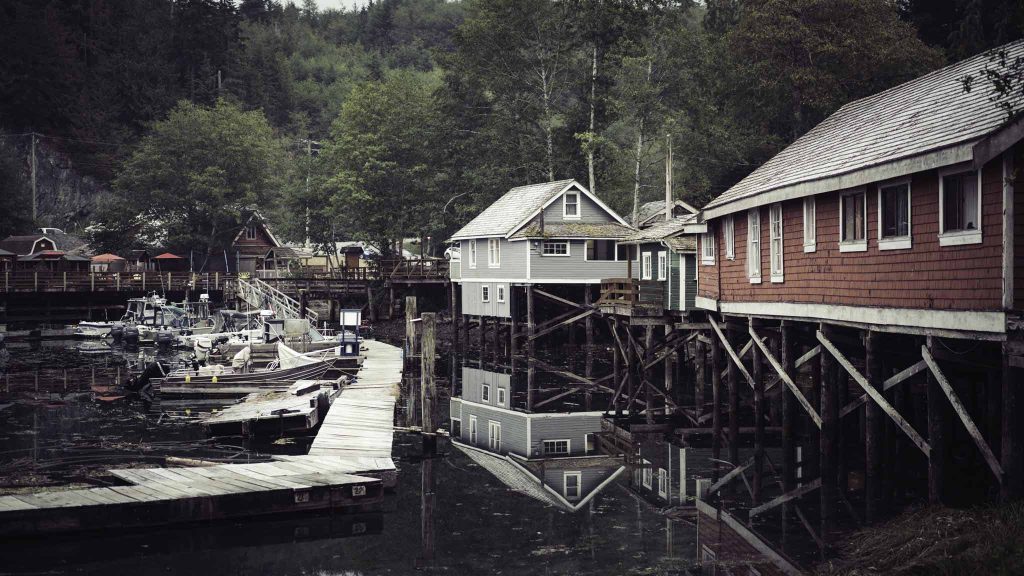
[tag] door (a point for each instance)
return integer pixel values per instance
(494, 436)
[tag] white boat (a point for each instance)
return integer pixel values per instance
(86, 329)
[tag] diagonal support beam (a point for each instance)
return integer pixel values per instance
(796, 365)
(568, 392)
(785, 378)
(732, 353)
(886, 386)
(743, 354)
(730, 476)
(875, 395)
(958, 407)
(791, 495)
(560, 300)
(551, 329)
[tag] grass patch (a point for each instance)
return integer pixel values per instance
(936, 540)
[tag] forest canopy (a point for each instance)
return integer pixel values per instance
(406, 117)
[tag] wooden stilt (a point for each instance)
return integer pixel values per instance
(716, 401)
(531, 369)
(648, 398)
(827, 450)
(670, 372)
(482, 335)
(588, 299)
(616, 368)
(734, 402)
(1010, 441)
(427, 390)
(513, 325)
(873, 429)
(936, 440)
(789, 410)
(759, 413)
(700, 375)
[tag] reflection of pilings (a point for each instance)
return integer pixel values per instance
(427, 502)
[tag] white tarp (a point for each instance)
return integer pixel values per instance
(289, 358)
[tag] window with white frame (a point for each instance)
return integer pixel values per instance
(556, 447)
(493, 253)
(894, 215)
(810, 225)
(754, 245)
(647, 475)
(571, 205)
(250, 232)
(775, 238)
(663, 266)
(494, 435)
(853, 222)
(572, 487)
(485, 393)
(555, 248)
(472, 430)
(729, 231)
(600, 250)
(959, 208)
(707, 248)
(645, 266)
(485, 293)
(662, 483)
(501, 396)
(472, 253)
(500, 292)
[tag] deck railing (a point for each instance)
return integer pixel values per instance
(404, 269)
(49, 281)
(632, 293)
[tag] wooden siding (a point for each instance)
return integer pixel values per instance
(513, 426)
(926, 276)
(512, 261)
(472, 299)
(1018, 231)
(590, 212)
(574, 427)
(473, 380)
(574, 266)
(590, 479)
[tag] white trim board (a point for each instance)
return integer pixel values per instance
(524, 281)
(705, 302)
(868, 175)
(960, 320)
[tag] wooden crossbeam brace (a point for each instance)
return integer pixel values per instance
(666, 351)
(791, 495)
(558, 396)
(958, 407)
(796, 365)
(886, 386)
(551, 329)
(743, 353)
(571, 376)
(730, 476)
(785, 378)
(560, 300)
(660, 392)
(732, 353)
(796, 507)
(875, 395)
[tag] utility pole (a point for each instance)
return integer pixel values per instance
(309, 164)
(34, 191)
(668, 178)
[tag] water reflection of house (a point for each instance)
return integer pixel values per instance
(726, 546)
(551, 456)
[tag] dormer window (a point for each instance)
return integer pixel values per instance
(250, 232)
(571, 205)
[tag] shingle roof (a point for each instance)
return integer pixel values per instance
(575, 230)
(649, 210)
(500, 218)
(923, 115)
(661, 230)
(21, 245)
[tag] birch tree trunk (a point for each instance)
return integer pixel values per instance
(549, 140)
(593, 135)
(639, 154)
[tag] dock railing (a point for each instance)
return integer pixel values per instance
(74, 281)
(632, 296)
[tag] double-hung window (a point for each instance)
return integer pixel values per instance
(501, 396)
(250, 232)
(810, 225)
(555, 248)
(959, 208)
(707, 248)
(754, 245)
(775, 237)
(571, 206)
(647, 474)
(645, 266)
(472, 253)
(894, 215)
(662, 483)
(485, 393)
(853, 222)
(729, 231)
(472, 430)
(485, 293)
(662, 266)
(500, 292)
(493, 253)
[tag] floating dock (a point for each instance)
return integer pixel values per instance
(348, 466)
(298, 409)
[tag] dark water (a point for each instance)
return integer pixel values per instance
(52, 433)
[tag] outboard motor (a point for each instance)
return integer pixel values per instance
(164, 338)
(117, 331)
(131, 336)
(153, 370)
(202, 348)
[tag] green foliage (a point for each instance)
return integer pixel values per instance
(191, 182)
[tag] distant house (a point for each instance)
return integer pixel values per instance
(668, 261)
(7, 260)
(554, 233)
(40, 252)
(652, 213)
(108, 263)
(515, 444)
(28, 244)
(248, 252)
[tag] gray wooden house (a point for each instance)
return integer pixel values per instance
(554, 233)
(552, 456)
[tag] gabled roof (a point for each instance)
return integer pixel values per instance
(650, 210)
(518, 206)
(664, 230)
(263, 224)
(922, 124)
(23, 245)
(6, 254)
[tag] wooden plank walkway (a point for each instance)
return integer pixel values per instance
(296, 409)
(355, 438)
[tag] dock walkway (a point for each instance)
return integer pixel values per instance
(348, 465)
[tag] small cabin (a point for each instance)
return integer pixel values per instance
(27, 245)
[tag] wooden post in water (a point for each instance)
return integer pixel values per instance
(716, 401)
(829, 435)
(789, 409)
(758, 374)
(670, 372)
(513, 321)
(1010, 441)
(531, 368)
(616, 368)
(936, 438)
(369, 303)
(734, 402)
(648, 374)
(303, 303)
(410, 327)
(872, 428)
(482, 335)
(699, 375)
(427, 385)
(588, 299)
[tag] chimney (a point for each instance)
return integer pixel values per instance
(668, 178)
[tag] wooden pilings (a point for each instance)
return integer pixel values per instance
(428, 392)
(872, 428)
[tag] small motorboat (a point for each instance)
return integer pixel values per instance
(87, 329)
